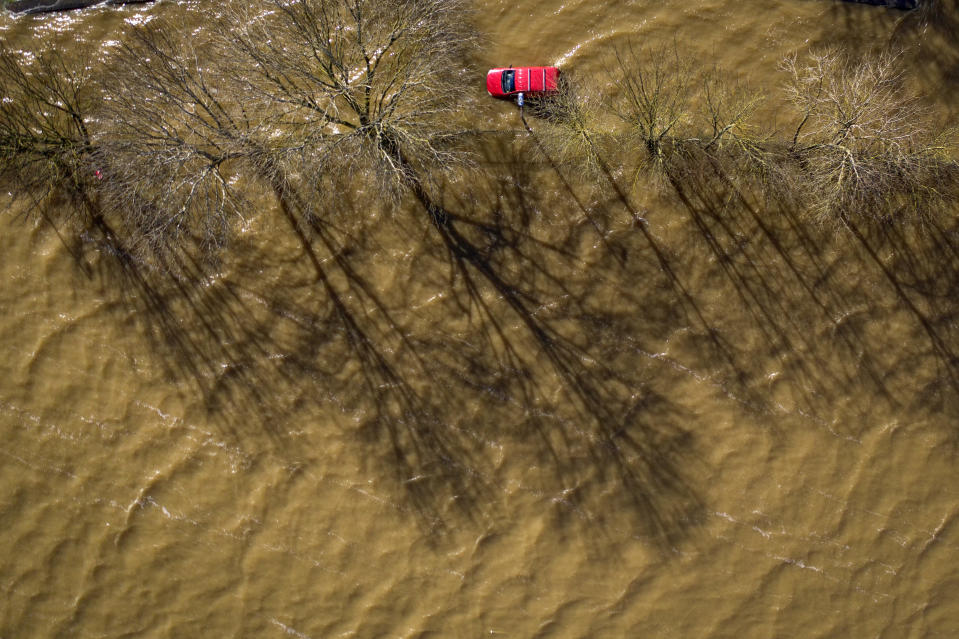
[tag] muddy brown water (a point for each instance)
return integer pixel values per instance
(784, 393)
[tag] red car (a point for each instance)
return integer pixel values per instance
(505, 83)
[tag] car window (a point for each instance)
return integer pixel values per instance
(509, 81)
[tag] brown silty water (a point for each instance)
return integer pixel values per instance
(727, 422)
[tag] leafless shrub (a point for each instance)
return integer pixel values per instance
(865, 145)
(572, 123)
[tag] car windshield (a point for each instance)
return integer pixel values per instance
(509, 81)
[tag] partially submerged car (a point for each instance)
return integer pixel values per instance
(513, 81)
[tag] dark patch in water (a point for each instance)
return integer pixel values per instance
(40, 6)
(894, 4)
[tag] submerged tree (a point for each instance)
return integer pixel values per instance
(171, 139)
(664, 109)
(359, 85)
(572, 123)
(656, 100)
(865, 145)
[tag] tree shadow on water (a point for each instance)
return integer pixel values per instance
(514, 356)
(801, 283)
(541, 326)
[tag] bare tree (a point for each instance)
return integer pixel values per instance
(169, 140)
(573, 122)
(666, 109)
(364, 86)
(657, 98)
(298, 92)
(865, 145)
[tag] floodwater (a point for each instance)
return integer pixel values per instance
(725, 423)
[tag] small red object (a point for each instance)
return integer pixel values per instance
(505, 83)
(98, 174)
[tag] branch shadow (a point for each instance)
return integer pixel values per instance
(793, 280)
(540, 331)
(256, 354)
(618, 197)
